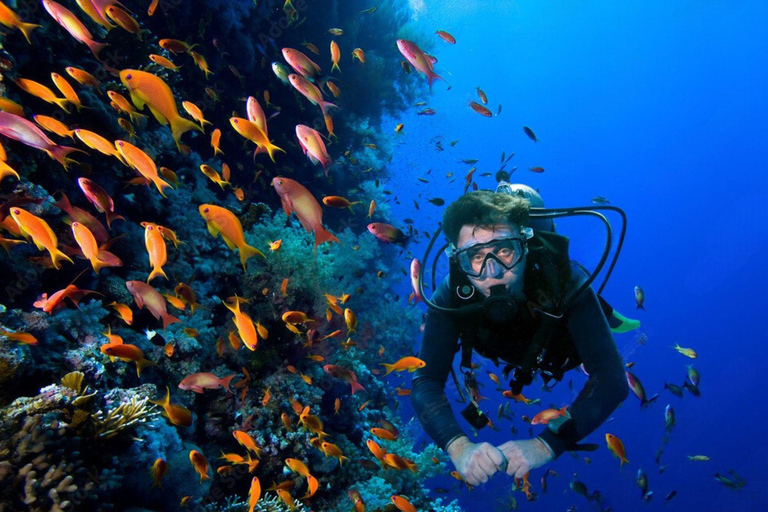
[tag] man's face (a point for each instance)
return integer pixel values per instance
(470, 235)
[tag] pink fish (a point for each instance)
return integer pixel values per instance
(17, 128)
(145, 295)
(205, 380)
(309, 91)
(300, 63)
(74, 26)
(100, 199)
(296, 198)
(418, 59)
(256, 116)
(415, 270)
(312, 144)
(386, 232)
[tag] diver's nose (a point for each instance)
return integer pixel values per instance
(493, 269)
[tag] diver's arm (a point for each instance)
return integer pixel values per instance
(438, 347)
(607, 385)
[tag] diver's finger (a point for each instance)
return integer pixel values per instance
(486, 464)
(496, 456)
(522, 471)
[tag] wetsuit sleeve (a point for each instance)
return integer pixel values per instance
(438, 348)
(607, 385)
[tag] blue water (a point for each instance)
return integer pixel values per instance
(661, 109)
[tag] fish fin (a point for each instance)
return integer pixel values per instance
(95, 47)
(143, 363)
(26, 29)
(59, 153)
(161, 185)
(389, 367)
(212, 230)
(112, 216)
(137, 102)
(157, 272)
(323, 235)
(324, 105)
(169, 319)
(62, 103)
(246, 252)
(179, 126)
(356, 386)
(225, 381)
(229, 243)
(336, 67)
(160, 117)
(431, 75)
(57, 255)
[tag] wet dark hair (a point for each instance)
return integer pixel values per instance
(483, 208)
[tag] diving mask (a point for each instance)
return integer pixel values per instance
(491, 259)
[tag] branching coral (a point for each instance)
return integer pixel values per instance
(124, 416)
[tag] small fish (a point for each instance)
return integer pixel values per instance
(410, 363)
(480, 109)
(538, 170)
(669, 418)
(698, 458)
(616, 447)
(157, 471)
(358, 54)
(426, 112)
(687, 352)
(530, 133)
(484, 99)
(445, 36)
(693, 375)
(21, 337)
(200, 463)
(336, 31)
(639, 298)
(670, 495)
(197, 382)
(675, 390)
(399, 128)
(600, 200)
(436, 201)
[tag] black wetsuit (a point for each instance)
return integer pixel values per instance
(584, 333)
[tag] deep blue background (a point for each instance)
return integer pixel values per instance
(660, 107)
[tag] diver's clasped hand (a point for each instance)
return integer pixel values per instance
(525, 455)
(476, 462)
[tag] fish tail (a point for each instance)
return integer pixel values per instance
(26, 29)
(322, 235)
(356, 386)
(390, 368)
(135, 116)
(224, 382)
(112, 216)
(247, 252)
(96, 47)
(431, 75)
(98, 264)
(157, 272)
(336, 67)
(57, 256)
(165, 400)
(161, 185)
(179, 126)
(324, 105)
(169, 319)
(271, 148)
(59, 153)
(143, 363)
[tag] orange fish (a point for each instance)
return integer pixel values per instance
(544, 417)
(311, 92)
(216, 141)
(334, 89)
(168, 349)
(153, 7)
(21, 337)
(617, 448)
(124, 106)
(53, 125)
(74, 26)
(194, 111)
(157, 472)
(145, 295)
(98, 257)
(335, 56)
(124, 20)
(127, 352)
(187, 295)
(245, 328)
(148, 89)
(255, 134)
(214, 176)
(158, 255)
(39, 90)
(247, 442)
(200, 463)
(345, 374)
(397, 462)
(201, 63)
(384, 434)
(296, 197)
(221, 221)
(71, 292)
(480, 109)
(143, 163)
(97, 142)
(402, 504)
(163, 62)
(312, 145)
(175, 46)
(11, 20)
(482, 96)
(123, 311)
(254, 493)
(359, 54)
(350, 319)
(445, 36)
(66, 89)
(418, 59)
(36, 229)
(409, 363)
(83, 77)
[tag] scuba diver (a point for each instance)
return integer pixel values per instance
(512, 294)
